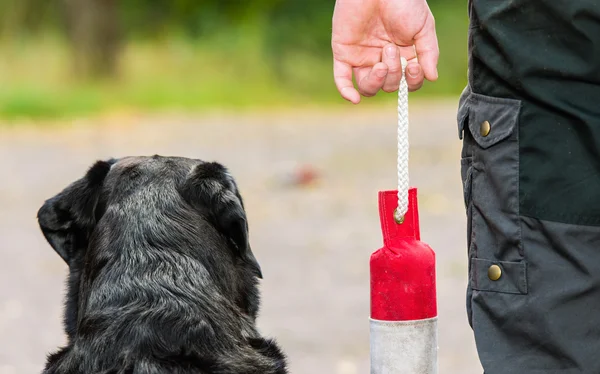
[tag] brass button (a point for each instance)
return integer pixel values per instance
(494, 272)
(485, 128)
(397, 217)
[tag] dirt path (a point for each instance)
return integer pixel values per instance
(313, 244)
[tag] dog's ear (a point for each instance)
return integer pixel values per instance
(67, 219)
(212, 190)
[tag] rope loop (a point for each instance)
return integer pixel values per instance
(403, 184)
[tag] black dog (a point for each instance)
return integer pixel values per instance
(162, 278)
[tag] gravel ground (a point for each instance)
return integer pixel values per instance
(313, 243)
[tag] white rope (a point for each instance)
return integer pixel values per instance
(402, 147)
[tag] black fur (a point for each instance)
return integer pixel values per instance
(162, 278)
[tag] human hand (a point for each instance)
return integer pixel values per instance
(370, 36)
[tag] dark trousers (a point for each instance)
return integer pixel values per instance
(530, 124)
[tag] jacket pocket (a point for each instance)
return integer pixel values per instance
(512, 276)
(491, 157)
(489, 127)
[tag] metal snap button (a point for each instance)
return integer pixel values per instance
(485, 128)
(494, 272)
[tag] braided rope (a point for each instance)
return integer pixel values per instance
(402, 147)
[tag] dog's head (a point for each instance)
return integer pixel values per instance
(163, 203)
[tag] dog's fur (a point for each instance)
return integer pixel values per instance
(161, 275)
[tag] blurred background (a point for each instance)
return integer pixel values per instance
(80, 57)
(248, 84)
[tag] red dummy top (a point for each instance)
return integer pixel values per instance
(388, 202)
(403, 271)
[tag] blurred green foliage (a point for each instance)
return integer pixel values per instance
(194, 54)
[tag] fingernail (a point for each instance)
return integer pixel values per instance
(391, 51)
(414, 71)
(381, 73)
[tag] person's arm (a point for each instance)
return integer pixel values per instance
(370, 36)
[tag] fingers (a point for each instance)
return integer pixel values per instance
(387, 78)
(342, 73)
(414, 72)
(391, 57)
(428, 52)
(370, 81)
(386, 75)
(414, 76)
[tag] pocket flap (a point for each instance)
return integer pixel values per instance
(512, 279)
(498, 115)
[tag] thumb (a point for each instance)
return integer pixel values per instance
(428, 53)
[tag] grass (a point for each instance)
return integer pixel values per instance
(229, 71)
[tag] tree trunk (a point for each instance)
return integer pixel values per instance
(93, 29)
